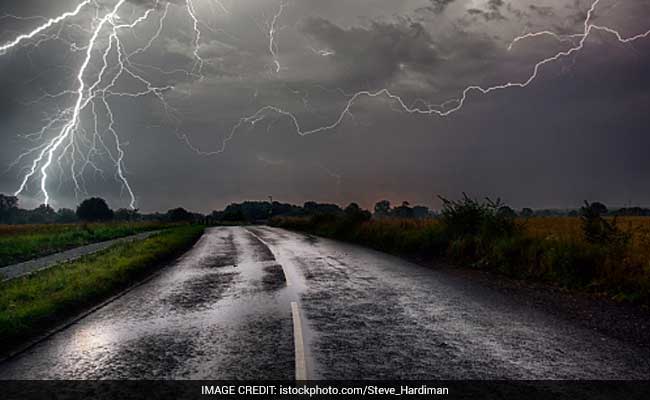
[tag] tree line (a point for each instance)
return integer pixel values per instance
(94, 209)
(97, 209)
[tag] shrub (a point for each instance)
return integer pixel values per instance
(599, 231)
(487, 220)
(94, 209)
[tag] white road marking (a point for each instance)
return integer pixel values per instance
(284, 271)
(298, 341)
(301, 366)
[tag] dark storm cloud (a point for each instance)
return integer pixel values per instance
(377, 52)
(493, 11)
(437, 6)
(571, 135)
(541, 10)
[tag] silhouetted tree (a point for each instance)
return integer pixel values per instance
(94, 209)
(66, 216)
(598, 230)
(382, 208)
(313, 208)
(421, 212)
(355, 214)
(526, 212)
(43, 214)
(505, 211)
(233, 213)
(598, 207)
(127, 214)
(8, 207)
(179, 215)
(403, 211)
(633, 212)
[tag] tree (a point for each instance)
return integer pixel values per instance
(43, 214)
(598, 207)
(66, 216)
(526, 212)
(8, 207)
(421, 212)
(179, 215)
(313, 208)
(355, 214)
(126, 214)
(233, 213)
(94, 209)
(403, 211)
(506, 211)
(382, 208)
(598, 230)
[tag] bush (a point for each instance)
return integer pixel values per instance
(94, 209)
(487, 220)
(598, 230)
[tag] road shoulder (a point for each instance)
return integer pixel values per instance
(626, 322)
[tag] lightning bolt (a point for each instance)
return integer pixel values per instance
(198, 64)
(323, 52)
(67, 132)
(51, 22)
(448, 107)
(273, 46)
(64, 137)
(92, 96)
(222, 7)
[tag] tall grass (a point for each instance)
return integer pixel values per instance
(23, 242)
(30, 304)
(553, 250)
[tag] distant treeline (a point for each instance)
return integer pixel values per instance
(252, 211)
(90, 210)
(97, 209)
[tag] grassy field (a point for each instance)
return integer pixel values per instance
(23, 242)
(31, 304)
(552, 250)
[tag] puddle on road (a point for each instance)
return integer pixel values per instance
(274, 278)
(201, 291)
(148, 357)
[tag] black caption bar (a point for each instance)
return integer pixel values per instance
(528, 390)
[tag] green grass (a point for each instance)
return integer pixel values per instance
(31, 304)
(20, 243)
(620, 272)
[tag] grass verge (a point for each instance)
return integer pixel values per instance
(20, 243)
(34, 303)
(553, 251)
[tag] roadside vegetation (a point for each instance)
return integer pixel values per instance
(28, 234)
(23, 242)
(31, 304)
(589, 252)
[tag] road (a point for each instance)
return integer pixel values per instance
(260, 302)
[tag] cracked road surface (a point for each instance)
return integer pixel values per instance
(224, 310)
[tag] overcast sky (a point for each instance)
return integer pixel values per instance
(579, 131)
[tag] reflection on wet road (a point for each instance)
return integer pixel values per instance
(224, 311)
(221, 311)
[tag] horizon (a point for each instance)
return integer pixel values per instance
(341, 205)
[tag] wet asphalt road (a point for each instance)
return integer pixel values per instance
(224, 311)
